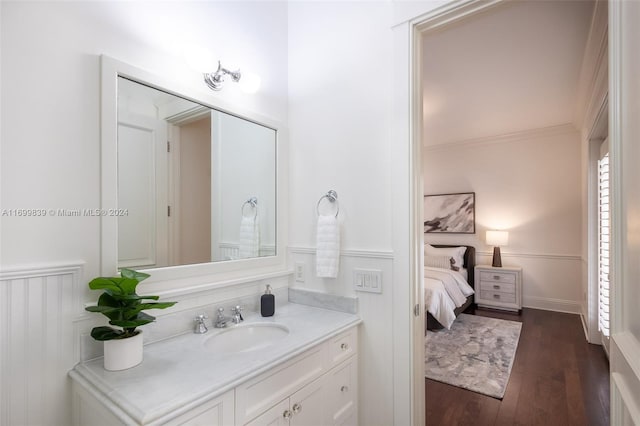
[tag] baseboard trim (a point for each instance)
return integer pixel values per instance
(549, 304)
(347, 253)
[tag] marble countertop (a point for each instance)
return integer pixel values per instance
(179, 374)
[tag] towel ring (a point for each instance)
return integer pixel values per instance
(332, 196)
(253, 202)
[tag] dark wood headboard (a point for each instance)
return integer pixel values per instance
(469, 260)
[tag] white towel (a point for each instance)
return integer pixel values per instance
(328, 247)
(249, 238)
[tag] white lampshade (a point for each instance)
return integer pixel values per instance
(497, 238)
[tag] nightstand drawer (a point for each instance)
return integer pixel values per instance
(497, 296)
(498, 277)
(500, 287)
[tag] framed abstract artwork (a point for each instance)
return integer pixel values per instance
(450, 213)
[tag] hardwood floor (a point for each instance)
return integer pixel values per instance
(557, 379)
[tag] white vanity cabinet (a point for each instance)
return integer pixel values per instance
(318, 386)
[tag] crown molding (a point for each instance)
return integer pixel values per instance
(539, 133)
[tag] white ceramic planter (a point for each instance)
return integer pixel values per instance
(120, 354)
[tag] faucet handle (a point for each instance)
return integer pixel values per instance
(220, 312)
(237, 314)
(200, 328)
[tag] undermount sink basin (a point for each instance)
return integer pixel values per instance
(245, 338)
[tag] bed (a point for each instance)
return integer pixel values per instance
(435, 291)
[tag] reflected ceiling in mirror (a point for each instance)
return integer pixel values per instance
(195, 185)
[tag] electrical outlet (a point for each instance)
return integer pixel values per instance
(299, 272)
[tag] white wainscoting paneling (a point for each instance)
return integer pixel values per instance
(39, 344)
(625, 379)
(549, 281)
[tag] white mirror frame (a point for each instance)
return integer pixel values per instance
(183, 278)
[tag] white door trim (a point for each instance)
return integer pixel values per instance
(624, 65)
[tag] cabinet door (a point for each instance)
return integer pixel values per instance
(341, 394)
(308, 405)
(278, 415)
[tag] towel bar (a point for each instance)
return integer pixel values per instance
(332, 196)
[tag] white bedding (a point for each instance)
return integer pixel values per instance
(445, 290)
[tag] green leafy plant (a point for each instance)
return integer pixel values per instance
(122, 305)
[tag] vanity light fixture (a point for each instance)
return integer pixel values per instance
(248, 82)
(215, 79)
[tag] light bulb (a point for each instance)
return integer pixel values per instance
(249, 82)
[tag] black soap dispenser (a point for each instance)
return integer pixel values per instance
(267, 303)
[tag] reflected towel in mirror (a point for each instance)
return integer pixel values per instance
(328, 247)
(249, 238)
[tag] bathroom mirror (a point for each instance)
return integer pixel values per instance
(195, 185)
(191, 186)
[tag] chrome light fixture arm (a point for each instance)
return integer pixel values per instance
(215, 79)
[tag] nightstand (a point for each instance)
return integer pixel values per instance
(498, 288)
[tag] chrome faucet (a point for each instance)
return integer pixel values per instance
(200, 328)
(237, 315)
(221, 320)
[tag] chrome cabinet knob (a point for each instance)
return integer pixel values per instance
(296, 408)
(344, 346)
(344, 388)
(286, 414)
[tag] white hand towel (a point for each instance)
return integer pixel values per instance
(249, 238)
(327, 247)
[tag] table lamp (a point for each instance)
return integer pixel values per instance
(497, 239)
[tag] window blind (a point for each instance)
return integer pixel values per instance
(603, 244)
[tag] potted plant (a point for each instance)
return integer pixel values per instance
(123, 307)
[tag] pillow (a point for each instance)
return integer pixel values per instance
(443, 262)
(457, 253)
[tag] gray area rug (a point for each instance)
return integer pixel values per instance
(476, 354)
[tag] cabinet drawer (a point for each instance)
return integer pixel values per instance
(499, 277)
(262, 392)
(343, 346)
(495, 286)
(496, 296)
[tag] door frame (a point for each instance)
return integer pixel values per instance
(408, 110)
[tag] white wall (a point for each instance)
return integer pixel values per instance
(50, 70)
(529, 185)
(244, 155)
(339, 126)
